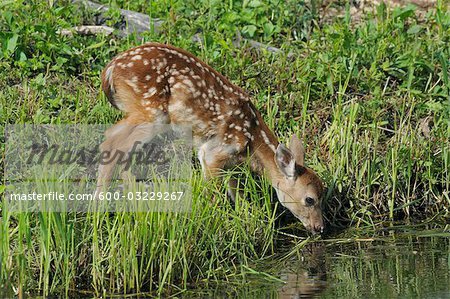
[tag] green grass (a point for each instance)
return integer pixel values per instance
(371, 101)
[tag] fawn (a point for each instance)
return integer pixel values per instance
(160, 84)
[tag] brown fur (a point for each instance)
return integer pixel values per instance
(156, 83)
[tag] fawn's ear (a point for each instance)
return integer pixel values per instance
(285, 161)
(297, 150)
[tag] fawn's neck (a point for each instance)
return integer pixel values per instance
(263, 150)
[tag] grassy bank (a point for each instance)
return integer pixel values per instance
(370, 99)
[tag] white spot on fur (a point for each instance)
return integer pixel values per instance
(196, 93)
(178, 85)
(188, 82)
(133, 85)
(248, 135)
(145, 102)
(136, 57)
(151, 92)
(177, 107)
(148, 108)
(267, 141)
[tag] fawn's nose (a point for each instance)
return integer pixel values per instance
(317, 228)
(320, 228)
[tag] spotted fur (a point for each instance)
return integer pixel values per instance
(163, 84)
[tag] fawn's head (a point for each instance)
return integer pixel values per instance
(299, 189)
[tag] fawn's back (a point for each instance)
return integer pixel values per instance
(161, 84)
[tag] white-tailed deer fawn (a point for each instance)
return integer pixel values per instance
(160, 84)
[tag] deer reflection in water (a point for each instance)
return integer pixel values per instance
(305, 279)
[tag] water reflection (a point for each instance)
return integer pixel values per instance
(300, 285)
(393, 265)
(307, 277)
(381, 267)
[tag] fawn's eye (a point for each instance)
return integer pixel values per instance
(309, 201)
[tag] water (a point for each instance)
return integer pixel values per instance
(389, 264)
(406, 267)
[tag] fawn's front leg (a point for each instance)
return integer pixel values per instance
(214, 157)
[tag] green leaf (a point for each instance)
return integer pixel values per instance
(434, 106)
(22, 57)
(249, 30)
(61, 60)
(414, 29)
(404, 13)
(255, 3)
(268, 28)
(97, 45)
(12, 43)
(8, 17)
(39, 80)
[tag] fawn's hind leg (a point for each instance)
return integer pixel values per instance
(128, 134)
